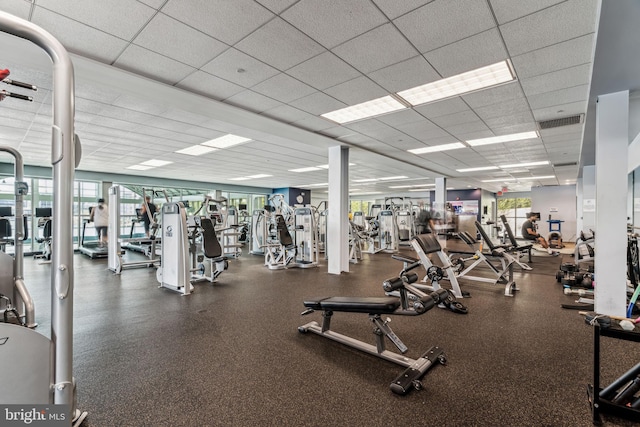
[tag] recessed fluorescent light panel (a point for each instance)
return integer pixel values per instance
(471, 81)
(156, 163)
(499, 180)
(483, 168)
(242, 178)
(530, 178)
(364, 110)
(435, 148)
(503, 138)
(260, 175)
(196, 150)
(391, 178)
(226, 141)
(327, 166)
(365, 180)
(309, 169)
(412, 186)
(524, 165)
(140, 167)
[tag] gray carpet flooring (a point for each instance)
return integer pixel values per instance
(230, 354)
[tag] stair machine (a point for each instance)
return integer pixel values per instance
(14, 295)
(115, 243)
(41, 369)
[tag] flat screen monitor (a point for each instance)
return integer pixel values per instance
(5, 211)
(43, 212)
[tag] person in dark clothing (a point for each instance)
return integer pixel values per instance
(424, 221)
(148, 211)
(529, 232)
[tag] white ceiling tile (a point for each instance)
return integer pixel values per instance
(286, 114)
(508, 10)
(332, 23)
(280, 45)
(156, 4)
(393, 8)
(136, 103)
(210, 86)
(567, 54)
(184, 116)
(252, 101)
(19, 8)
(564, 78)
(502, 93)
(318, 103)
(239, 68)
(564, 21)
(313, 124)
(462, 131)
(559, 97)
(402, 117)
(323, 71)
(355, 91)
(151, 64)
(389, 44)
(468, 54)
(467, 116)
(172, 38)
(430, 26)
(283, 88)
(226, 21)
(505, 108)
(276, 6)
(79, 38)
(424, 131)
(558, 111)
(522, 118)
(105, 16)
(413, 72)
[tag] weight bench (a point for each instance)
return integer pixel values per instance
(375, 307)
(425, 244)
(515, 247)
(502, 275)
(501, 252)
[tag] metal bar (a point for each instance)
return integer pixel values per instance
(63, 161)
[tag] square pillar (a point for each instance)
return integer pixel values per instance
(338, 215)
(612, 141)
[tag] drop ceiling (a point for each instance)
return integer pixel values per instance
(157, 76)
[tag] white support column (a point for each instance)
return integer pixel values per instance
(579, 203)
(439, 205)
(588, 208)
(612, 141)
(338, 216)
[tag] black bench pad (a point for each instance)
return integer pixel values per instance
(404, 258)
(372, 305)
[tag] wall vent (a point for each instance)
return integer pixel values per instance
(559, 165)
(564, 121)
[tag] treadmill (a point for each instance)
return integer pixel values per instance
(91, 248)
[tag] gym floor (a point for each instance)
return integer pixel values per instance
(230, 354)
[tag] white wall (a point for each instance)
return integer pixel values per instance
(561, 198)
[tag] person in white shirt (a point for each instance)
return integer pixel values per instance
(100, 217)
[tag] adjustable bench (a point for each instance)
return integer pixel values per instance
(375, 307)
(502, 275)
(515, 247)
(501, 252)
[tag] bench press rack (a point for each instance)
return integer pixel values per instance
(376, 307)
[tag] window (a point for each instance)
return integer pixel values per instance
(515, 209)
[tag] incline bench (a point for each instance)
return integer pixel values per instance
(515, 247)
(375, 307)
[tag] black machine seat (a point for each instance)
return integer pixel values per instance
(371, 305)
(428, 242)
(210, 243)
(283, 233)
